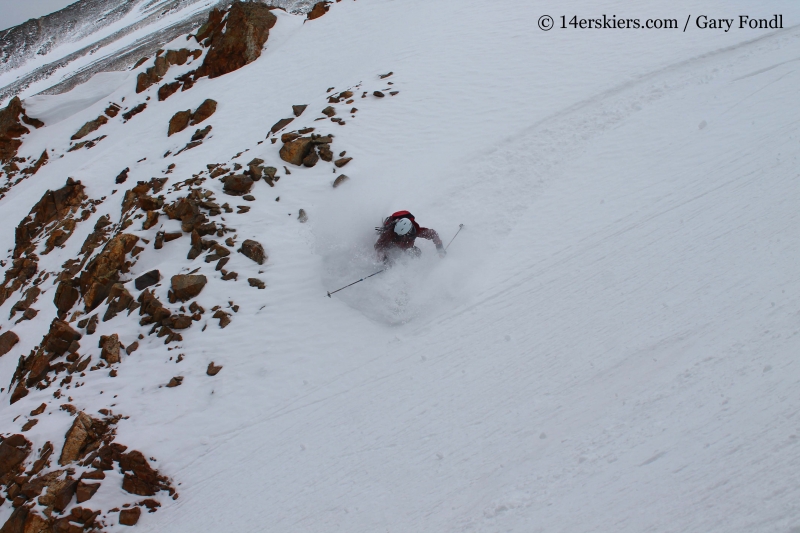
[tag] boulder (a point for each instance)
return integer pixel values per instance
(77, 439)
(66, 295)
(311, 159)
(298, 109)
(134, 111)
(213, 369)
(238, 184)
(84, 491)
(167, 90)
(129, 517)
(187, 286)
(89, 127)
(253, 250)
(296, 150)
(329, 111)
(342, 162)
(338, 181)
(205, 110)
(13, 451)
(147, 279)
(257, 283)
(245, 32)
(179, 122)
(110, 349)
(7, 341)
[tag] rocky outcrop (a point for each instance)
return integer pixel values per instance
(305, 151)
(205, 110)
(296, 150)
(103, 271)
(238, 41)
(160, 67)
(11, 128)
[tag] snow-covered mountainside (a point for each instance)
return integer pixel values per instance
(609, 344)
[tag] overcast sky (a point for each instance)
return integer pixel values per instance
(14, 12)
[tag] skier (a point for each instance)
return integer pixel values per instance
(398, 234)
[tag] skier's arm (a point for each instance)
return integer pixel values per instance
(384, 241)
(431, 235)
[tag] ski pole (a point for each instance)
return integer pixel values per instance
(359, 281)
(460, 227)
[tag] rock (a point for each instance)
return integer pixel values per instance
(338, 181)
(246, 31)
(255, 282)
(302, 216)
(151, 219)
(147, 279)
(282, 123)
(342, 162)
(179, 122)
(212, 369)
(140, 478)
(91, 327)
(206, 109)
(110, 349)
(104, 270)
(80, 435)
(167, 90)
(112, 110)
(238, 184)
(325, 152)
(378, 94)
(29, 424)
(122, 176)
(129, 517)
(253, 250)
(174, 382)
(134, 111)
(223, 317)
(7, 341)
(187, 286)
(298, 109)
(132, 347)
(84, 491)
(13, 451)
(296, 150)
(286, 137)
(89, 127)
(200, 134)
(329, 111)
(311, 159)
(39, 410)
(11, 128)
(319, 9)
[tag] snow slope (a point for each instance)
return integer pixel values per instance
(610, 344)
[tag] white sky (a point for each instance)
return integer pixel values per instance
(14, 12)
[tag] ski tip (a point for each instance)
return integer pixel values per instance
(329, 295)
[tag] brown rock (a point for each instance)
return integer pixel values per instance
(187, 286)
(311, 159)
(329, 111)
(296, 150)
(319, 9)
(89, 127)
(29, 424)
(132, 347)
(112, 110)
(325, 152)
(13, 451)
(213, 369)
(223, 317)
(174, 382)
(282, 123)
(147, 279)
(151, 219)
(246, 31)
(84, 491)
(253, 250)
(255, 282)
(167, 90)
(342, 162)
(237, 184)
(134, 111)
(298, 109)
(110, 349)
(129, 517)
(179, 122)
(11, 128)
(7, 341)
(104, 270)
(199, 135)
(39, 410)
(206, 109)
(338, 181)
(77, 439)
(286, 137)
(378, 94)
